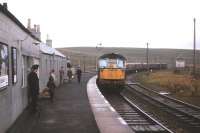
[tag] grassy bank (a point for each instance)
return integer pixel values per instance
(182, 86)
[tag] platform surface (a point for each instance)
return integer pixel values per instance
(69, 113)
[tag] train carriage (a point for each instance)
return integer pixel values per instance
(111, 71)
(137, 67)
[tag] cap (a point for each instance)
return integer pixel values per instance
(35, 67)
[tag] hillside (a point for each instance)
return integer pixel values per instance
(88, 55)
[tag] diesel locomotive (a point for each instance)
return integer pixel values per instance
(111, 71)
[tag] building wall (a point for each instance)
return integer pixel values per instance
(13, 98)
(47, 63)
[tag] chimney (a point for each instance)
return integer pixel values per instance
(29, 24)
(5, 5)
(49, 41)
(35, 27)
(38, 28)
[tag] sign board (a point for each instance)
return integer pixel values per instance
(180, 64)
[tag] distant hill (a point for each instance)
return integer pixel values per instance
(88, 55)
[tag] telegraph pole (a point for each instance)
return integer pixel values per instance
(147, 56)
(194, 50)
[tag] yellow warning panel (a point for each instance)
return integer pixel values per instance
(112, 74)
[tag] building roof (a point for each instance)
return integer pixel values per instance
(46, 49)
(16, 21)
(59, 53)
(49, 50)
(179, 58)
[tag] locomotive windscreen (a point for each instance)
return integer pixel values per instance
(111, 63)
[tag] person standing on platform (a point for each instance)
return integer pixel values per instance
(51, 85)
(79, 72)
(53, 75)
(33, 85)
(69, 74)
(61, 75)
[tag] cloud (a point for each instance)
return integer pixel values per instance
(165, 24)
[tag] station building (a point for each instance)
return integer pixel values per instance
(20, 48)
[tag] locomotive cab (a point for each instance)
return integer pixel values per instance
(111, 71)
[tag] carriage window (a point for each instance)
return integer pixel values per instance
(3, 65)
(14, 65)
(102, 63)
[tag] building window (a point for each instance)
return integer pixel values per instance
(23, 71)
(3, 65)
(14, 64)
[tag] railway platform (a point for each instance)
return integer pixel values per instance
(108, 120)
(69, 113)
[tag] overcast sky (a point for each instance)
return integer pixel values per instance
(122, 23)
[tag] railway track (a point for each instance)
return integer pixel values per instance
(139, 121)
(186, 113)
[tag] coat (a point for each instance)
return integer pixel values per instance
(79, 72)
(51, 85)
(33, 84)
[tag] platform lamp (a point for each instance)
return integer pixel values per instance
(98, 46)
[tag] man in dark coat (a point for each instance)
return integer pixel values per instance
(61, 71)
(33, 85)
(69, 74)
(79, 72)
